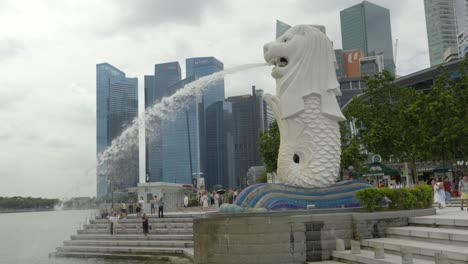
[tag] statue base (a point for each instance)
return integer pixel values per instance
(270, 196)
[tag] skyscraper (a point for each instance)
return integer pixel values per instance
(441, 28)
(366, 26)
(210, 114)
(248, 113)
(157, 87)
(116, 107)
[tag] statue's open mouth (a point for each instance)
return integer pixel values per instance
(282, 62)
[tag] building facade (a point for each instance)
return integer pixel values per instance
(366, 26)
(441, 26)
(248, 114)
(116, 108)
(158, 86)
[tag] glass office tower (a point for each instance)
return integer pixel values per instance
(116, 108)
(366, 26)
(157, 87)
(441, 28)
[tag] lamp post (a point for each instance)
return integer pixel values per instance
(198, 183)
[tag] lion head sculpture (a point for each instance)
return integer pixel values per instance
(304, 64)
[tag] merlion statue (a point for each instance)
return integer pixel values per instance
(305, 107)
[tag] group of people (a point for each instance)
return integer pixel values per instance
(155, 203)
(443, 191)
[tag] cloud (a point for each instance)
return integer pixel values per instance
(10, 48)
(151, 13)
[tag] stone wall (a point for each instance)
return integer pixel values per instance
(286, 237)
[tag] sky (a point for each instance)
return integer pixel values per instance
(49, 49)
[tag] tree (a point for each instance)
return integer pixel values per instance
(351, 153)
(387, 120)
(268, 147)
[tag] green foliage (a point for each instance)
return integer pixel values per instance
(193, 202)
(396, 199)
(351, 154)
(268, 147)
(262, 178)
(17, 202)
(410, 125)
(370, 198)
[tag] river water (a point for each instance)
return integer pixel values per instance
(28, 238)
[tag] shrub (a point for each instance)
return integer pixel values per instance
(370, 198)
(192, 202)
(397, 199)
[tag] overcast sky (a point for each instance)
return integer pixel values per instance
(49, 49)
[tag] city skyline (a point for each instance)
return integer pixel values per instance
(48, 53)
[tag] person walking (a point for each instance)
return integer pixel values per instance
(161, 207)
(439, 194)
(145, 224)
(448, 190)
(463, 190)
(185, 200)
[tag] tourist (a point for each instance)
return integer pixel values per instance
(447, 190)
(463, 190)
(138, 210)
(210, 200)
(145, 224)
(161, 207)
(235, 196)
(153, 204)
(381, 184)
(216, 198)
(114, 219)
(439, 194)
(123, 211)
(185, 200)
(130, 206)
(204, 200)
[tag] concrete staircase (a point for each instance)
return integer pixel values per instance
(423, 239)
(169, 239)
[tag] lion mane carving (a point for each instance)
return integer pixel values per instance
(305, 107)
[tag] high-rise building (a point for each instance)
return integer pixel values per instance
(157, 87)
(116, 108)
(441, 25)
(248, 112)
(211, 147)
(366, 26)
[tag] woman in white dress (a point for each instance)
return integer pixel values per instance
(439, 194)
(205, 201)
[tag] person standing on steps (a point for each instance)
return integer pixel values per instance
(145, 224)
(186, 201)
(463, 190)
(447, 190)
(161, 207)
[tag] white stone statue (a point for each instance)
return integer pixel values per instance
(305, 107)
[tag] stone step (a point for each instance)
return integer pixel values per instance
(123, 250)
(139, 225)
(150, 220)
(458, 223)
(132, 237)
(429, 234)
(135, 231)
(367, 257)
(157, 258)
(325, 262)
(457, 254)
(130, 243)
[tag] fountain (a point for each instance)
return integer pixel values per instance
(307, 113)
